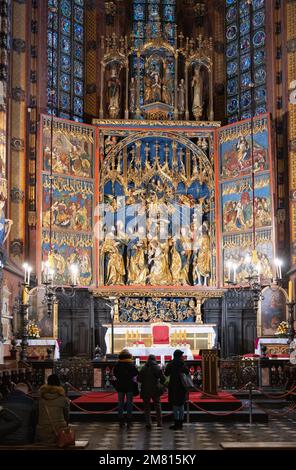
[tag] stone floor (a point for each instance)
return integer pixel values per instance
(194, 436)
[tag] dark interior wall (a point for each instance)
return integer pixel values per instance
(82, 319)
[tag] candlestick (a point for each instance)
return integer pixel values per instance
(25, 295)
(290, 291)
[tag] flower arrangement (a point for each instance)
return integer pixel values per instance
(282, 329)
(33, 330)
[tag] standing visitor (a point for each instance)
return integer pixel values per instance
(152, 380)
(125, 373)
(177, 392)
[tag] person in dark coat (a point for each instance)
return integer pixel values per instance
(9, 422)
(177, 393)
(125, 373)
(53, 410)
(152, 380)
(24, 407)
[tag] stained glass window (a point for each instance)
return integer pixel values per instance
(245, 58)
(65, 59)
(156, 15)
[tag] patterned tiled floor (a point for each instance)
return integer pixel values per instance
(194, 436)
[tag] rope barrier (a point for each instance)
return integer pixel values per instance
(220, 413)
(94, 412)
(86, 394)
(277, 414)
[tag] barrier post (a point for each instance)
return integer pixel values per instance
(187, 412)
(250, 403)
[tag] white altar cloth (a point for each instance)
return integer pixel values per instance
(165, 350)
(44, 342)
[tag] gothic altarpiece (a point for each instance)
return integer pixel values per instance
(153, 207)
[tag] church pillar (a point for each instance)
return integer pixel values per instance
(291, 65)
(18, 132)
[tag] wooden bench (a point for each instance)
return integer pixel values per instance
(258, 445)
(79, 444)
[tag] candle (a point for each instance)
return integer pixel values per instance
(234, 272)
(25, 295)
(25, 266)
(229, 264)
(290, 291)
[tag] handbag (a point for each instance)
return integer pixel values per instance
(65, 436)
(186, 381)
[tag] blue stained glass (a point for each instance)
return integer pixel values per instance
(231, 32)
(231, 14)
(233, 118)
(258, 4)
(231, 50)
(79, 2)
(52, 39)
(64, 115)
(260, 75)
(245, 27)
(65, 101)
(246, 115)
(66, 26)
(260, 110)
(245, 43)
(139, 29)
(65, 44)
(232, 86)
(51, 99)
(153, 11)
(52, 20)
(258, 19)
(78, 14)
(78, 106)
(66, 8)
(78, 51)
(245, 79)
(245, 62)
(78, 88)
(245, 99)
(168, 13)
(169, 30)
(53, 3)
(65, 63)
(78, 69)
(154, 29)
(259, 38)
(65, 82)
(232, 105)
(78, 32)
(244, 8)
(52, 77)
(259, 56)
(230, 2)
(232, 68)
(260, 94)
(139, 12)
(52, 58)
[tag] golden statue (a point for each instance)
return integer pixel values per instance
(159, 257)
(115, 269)
(137, 265)
(202, 261)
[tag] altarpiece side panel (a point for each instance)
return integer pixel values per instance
(246, 198)
(66, 187)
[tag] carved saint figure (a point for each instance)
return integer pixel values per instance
(179, 262)
(197, 93)
(5, 224)
(115, 269)
(158, 259)
(156, 87)
(202, 260)
(137, 265)
(132, 95)
(181, 97)
(113, 94)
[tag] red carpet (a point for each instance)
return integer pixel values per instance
(110, 397)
